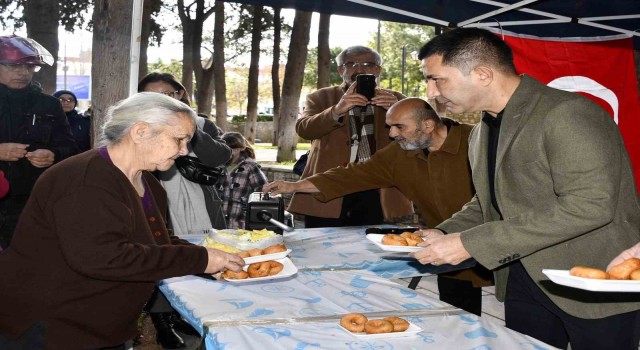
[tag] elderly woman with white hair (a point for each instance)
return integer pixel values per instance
(92, 240)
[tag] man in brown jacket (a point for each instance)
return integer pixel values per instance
(428, 163)
(344, 128)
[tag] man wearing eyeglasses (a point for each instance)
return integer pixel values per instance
(34, 132)
(346, 127)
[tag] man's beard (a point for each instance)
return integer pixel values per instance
(420, 142)
(347, 82)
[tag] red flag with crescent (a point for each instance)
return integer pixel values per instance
(601, 69)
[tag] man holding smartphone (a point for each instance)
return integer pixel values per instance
(345, 127)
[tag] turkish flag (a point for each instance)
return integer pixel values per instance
(602, 70)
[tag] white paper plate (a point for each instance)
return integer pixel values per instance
(376, 238)
(564, 278)
(288, 269)
(411, 331)
(266, 257)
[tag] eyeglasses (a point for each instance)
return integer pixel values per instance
(66, 100)
(364, 65)
(173, 94)
(18, 67)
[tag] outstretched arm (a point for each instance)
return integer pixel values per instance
(278, 187)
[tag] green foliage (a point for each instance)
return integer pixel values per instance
(174, 67)
(73, 13)
(156, 30)
(393, 37)
(264, 145)
(311, 69)
(238, 119)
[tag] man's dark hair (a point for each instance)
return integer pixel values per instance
(467, 48)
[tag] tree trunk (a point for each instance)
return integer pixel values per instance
(324, 53)
(110, 57)
(143, 64)
(192, 60)
(42, 18)
(218, 66)
(275, 73)
(187, 57)
(204, 94)
(292, 85)
(254, 67)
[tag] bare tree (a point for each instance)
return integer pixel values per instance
(292, 85)
(275, 72)
(218, 66)
(149, 29)
(110, 57)
(324, 53)
(254, 67)
(42, 18)
(192, 41)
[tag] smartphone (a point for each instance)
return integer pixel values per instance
(366, 85)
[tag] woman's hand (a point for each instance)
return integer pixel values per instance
(220, 261)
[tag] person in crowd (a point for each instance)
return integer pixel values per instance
(34, 132)
(243, 176)
(79, 123)
(4, 186)
(428, 163)
(632, 252)
(344, 127)
(194, 205)
(555, 189)
(92, 240)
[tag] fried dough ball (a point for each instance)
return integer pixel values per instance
(378, 326)
(623, 270)
(274, 249)
(399, 324)
(588, 272)
(255, 252)
(265, 268)
(353, 322)
(391, 239)
(230, 275)
(412, 238)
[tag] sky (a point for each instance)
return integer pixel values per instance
(341, 34)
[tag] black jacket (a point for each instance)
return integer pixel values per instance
(30, 117)
(80, 128)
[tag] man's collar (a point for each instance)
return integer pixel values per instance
(491, 120)
(452, 143)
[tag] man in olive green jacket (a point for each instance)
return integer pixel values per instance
(554, 189)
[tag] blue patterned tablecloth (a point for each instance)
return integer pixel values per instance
(348, 247)
(303, 311)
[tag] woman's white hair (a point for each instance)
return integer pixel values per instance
(150, 107)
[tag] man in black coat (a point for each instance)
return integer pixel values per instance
(34, 132)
